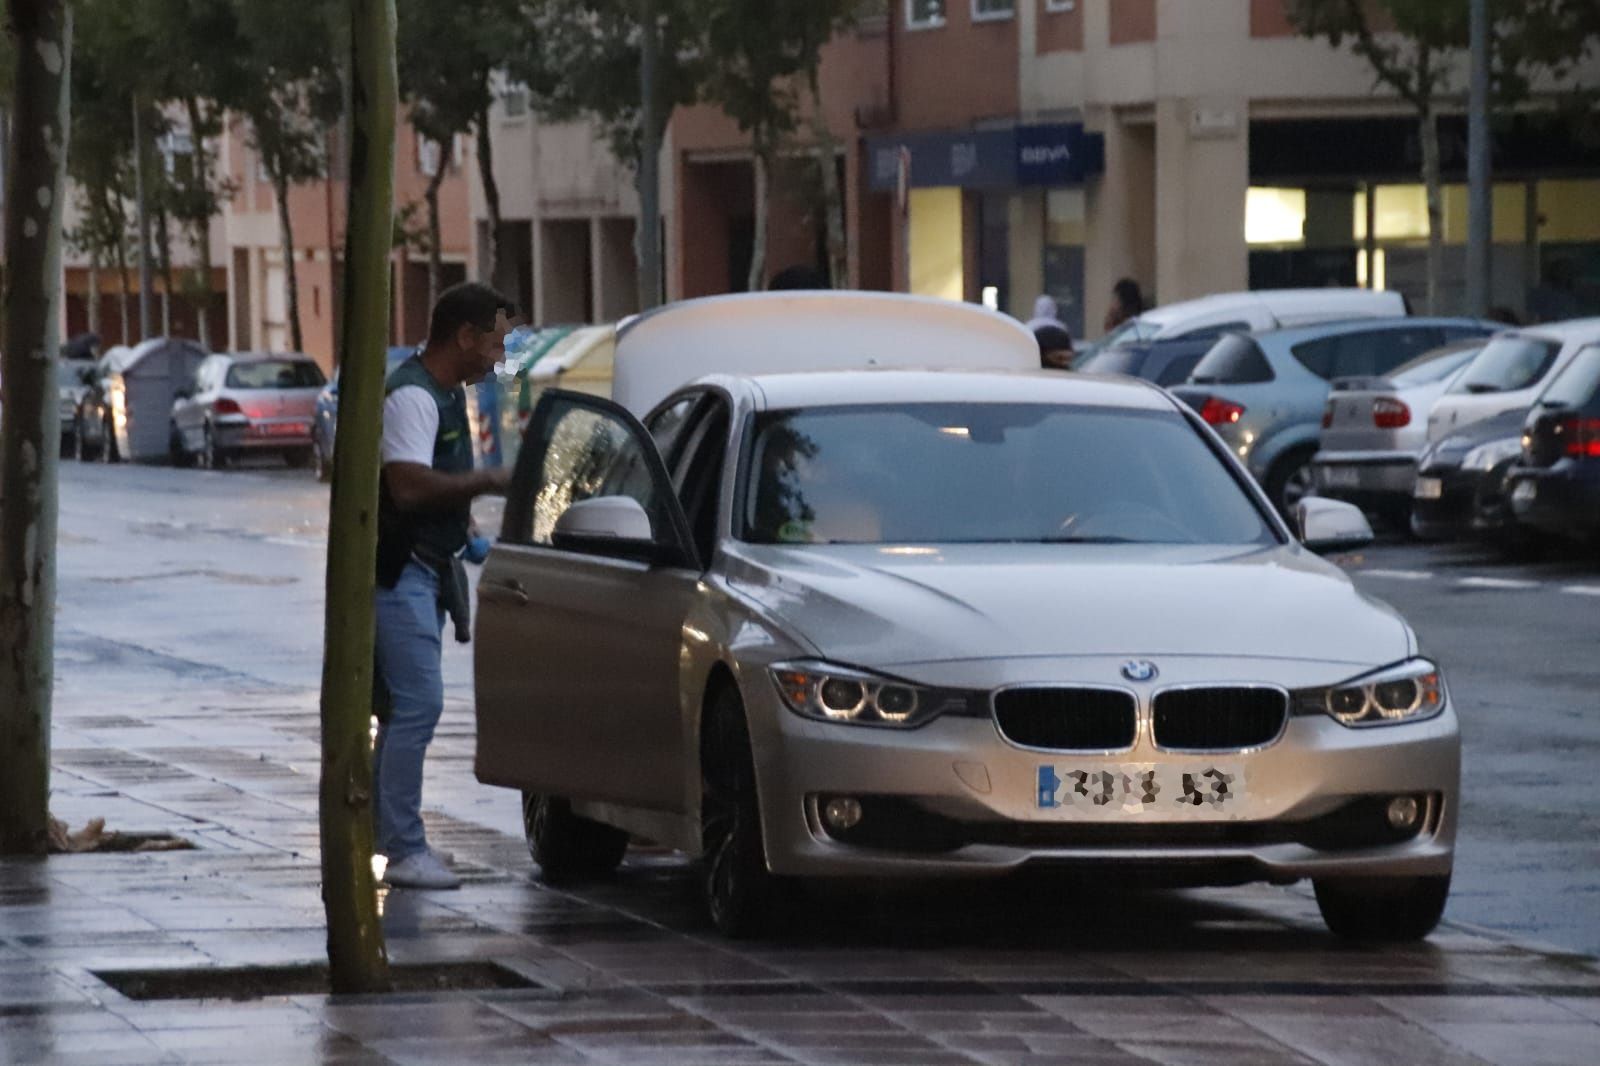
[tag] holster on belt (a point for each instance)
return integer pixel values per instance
(454, 594)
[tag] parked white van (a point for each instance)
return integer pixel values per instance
(1211, 316)
(1510, 373)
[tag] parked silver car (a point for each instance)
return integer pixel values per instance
(1373, 429)
(871, 624)
(246, 402)
(1264, 393)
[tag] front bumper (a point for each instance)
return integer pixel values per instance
(1373, 480)
(1447, 514)
(965, 802)
(1563, 499)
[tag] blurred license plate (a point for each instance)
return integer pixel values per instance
(1341, 477)
(280, 429)
(1428, 488)
(1525, 492)
(1140, 788)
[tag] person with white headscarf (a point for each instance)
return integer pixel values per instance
(1055, 340)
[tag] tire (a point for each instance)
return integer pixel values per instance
(1382, 909)
(176, 451)
(211, 456)
(83, 451)
(568, 848)
(743, 898)
(1289, 481)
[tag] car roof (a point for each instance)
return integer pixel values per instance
(1579, 330)
(1273, 300)
(849, 388)
(1295, 334)
(258, 357)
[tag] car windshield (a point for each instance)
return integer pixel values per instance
(1431, 367)
(1576, 385)
(990, 473)
(275, 374)
(1508, 364)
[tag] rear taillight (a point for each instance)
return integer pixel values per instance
(1389, 413)
(1580, 437)
(225, 406)
(1220, 412)
(1327, 416)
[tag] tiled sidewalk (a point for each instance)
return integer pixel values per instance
(627, 973)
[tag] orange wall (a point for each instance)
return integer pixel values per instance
(1059, 31)
(955, 74)
(1270, 18)
(1133, 21)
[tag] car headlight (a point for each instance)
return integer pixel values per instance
(842, 694)
(1488, 456)
(1410, 692)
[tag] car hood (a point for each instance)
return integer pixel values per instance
(880, 606)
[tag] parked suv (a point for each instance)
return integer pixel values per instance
(1556, 485)
(246, 402)
(1265, 392)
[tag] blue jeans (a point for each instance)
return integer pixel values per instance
(410, 621)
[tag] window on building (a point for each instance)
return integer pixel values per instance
(985, 10)
(1060, 5)
(924, 12)
(515, 102)
(1274, 216)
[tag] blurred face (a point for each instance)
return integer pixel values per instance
(482, 348)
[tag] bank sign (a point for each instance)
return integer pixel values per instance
(1055, 154)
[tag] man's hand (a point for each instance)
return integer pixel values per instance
(415, 487)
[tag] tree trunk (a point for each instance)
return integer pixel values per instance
(647, 168)
(758, 240)
(357, 961)
(1434, 184)
(501, 273)
(164, 262)
(94, 294)
(119, 215)
(435, 236)
(291, 283)
(30, 436)
(832, 198)
(202, 224)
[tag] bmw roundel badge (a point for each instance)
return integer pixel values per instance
(1139, 670)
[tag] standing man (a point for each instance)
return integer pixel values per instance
(424, 521)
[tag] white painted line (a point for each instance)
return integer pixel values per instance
(1398, 575)
(1497, 583)
(1582, 590)
(296, 542)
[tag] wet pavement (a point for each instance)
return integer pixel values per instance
(189, 648)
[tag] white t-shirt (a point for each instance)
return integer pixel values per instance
(410, 425)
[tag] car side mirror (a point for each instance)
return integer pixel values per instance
(1331, 525)
(615, 526)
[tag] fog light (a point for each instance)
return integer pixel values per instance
(1404, 812)
(842, 813)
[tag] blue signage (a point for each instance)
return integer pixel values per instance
(1054, 154)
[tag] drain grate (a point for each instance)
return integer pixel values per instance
(306, 979)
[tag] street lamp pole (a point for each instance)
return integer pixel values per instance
(1480, 203)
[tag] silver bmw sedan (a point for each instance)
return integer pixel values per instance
(908, 624)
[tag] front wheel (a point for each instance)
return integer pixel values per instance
(743, 898)
(1290, 480)
(212, 456)
(1382, 908)
(569, 848)
(176, 451)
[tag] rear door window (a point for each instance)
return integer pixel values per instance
(1364, 353)
(1508, 364)
(1234, 360)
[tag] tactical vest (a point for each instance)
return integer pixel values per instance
(439, 531)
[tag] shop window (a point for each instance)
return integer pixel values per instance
(990, 10)
(1274, 216)
(938, 260)
(1567, 210)
(924, 13)
(1064, 217)
(1400, 213)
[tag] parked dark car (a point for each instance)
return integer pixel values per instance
(325, 423)
(1163, 362)
(1555, 486)
(1461, 484)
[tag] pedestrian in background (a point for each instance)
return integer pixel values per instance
(1055, 339)
(424, 523)
(1126, 302)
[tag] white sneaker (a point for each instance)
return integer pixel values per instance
(422, 870)
(447, 858)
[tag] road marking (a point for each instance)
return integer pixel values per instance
(1582, 590)
(1399, 575)
(1497, 583)
(296, 542)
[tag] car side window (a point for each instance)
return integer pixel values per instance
(697, 474)
(1211, 333)
(666, 423)
(1364, 353)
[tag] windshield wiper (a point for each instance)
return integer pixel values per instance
(1078, 539)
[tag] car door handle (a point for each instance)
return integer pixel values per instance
(510, 590)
